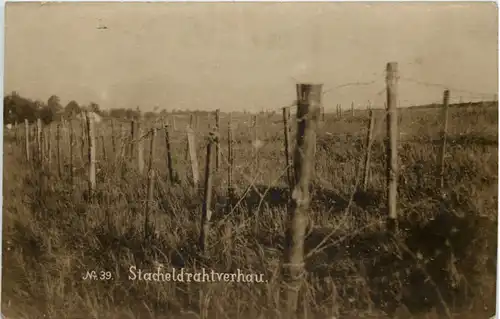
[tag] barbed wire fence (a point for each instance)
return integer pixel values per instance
(125, 143)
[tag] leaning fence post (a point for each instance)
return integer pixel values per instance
(207, 200)
(308, 106)
(369, 138)
(392, 144)
(444, 131)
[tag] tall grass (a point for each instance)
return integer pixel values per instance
(442, 263)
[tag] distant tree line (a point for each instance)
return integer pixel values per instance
(17, 108)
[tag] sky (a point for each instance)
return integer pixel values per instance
(249, 56)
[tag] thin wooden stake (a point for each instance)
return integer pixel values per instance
(132, 138)
(255, 144)
(140, 149)
(207, 201)
(169, 154)
(113, 139)
(286, 130)
(49, 145)
(151, 181)
(230, 190)
(369, 138)
(309, 100)
(444, 132)
(392, 145)
(192, 155)
(58, 150)
(91, 155)
(103, 145)
(217, 140)
(39, 142)
(71, 152)
(27, 139)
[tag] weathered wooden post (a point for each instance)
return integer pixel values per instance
(39, 141)
(151, 181)
(191, 144)
(230, 190)
(140, 148)
(255, 144)
(71, 147)
(83, 124)
(444, 132)
(309, 103)
(91, 154)
(27, 139)
(207, 201)
(392, 144)
(169, 154)
(131, 139)
(58, 147)
(352, 109)
(289, 168)
(217, 141)
(103, 145)
(113, 138)
(48, 137)
(369, 138)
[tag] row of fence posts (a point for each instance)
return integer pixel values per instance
(309, 110)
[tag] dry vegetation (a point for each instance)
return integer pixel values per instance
(441, 263)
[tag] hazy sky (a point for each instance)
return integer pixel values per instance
(247, 55)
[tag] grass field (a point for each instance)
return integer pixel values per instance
(441, 263)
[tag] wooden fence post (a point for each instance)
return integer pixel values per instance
(27, 139)
(140, 148)
(151, 181)
(48, 137)
(444, 132)
(369, 138)
(392, 144)
(230, 190)
(289, 168)
(131, 139)
(169, 154)
(39, 142)
(255, 144)
(91, 155)
(217, 140)
(309, 101)
(83, 124)
(207, 201)
(192, 155)
(71, 147)
(103, 145)
(352, 109)
(58, 149)
(113, 139)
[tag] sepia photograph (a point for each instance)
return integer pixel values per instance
(250, 160)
